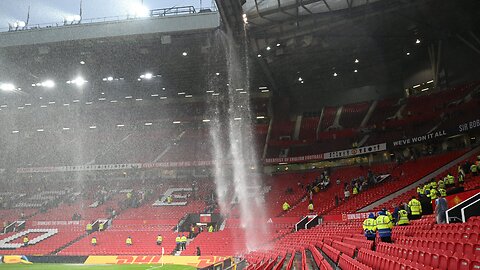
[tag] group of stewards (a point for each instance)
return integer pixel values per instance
(383, 224)
(181, 242)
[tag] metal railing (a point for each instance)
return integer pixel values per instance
(162, 12)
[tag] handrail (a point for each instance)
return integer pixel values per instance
(161, 12)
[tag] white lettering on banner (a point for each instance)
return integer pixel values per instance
(294, 159)
(422, 138)
(469, 125)
(356, 151)
(357, 216)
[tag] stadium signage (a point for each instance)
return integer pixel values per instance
(294, 159)
(422, 138)
(356, 151)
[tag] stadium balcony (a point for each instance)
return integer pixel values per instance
(470, 183)
(400, 176)
(353, 114)
(329, 114)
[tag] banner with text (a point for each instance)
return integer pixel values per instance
(356, 151)
(439, 134)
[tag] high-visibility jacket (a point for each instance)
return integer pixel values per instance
(389, 215)
(285, 206)
(94, 241)
(441, 183)
(433, 184)
(128, 241)
(355, 191)
(461, 177)
(442, 192)
(159, 238)
(473, 168)
(178, 239)
(210, 229)
(433, 194)
(100, 227)
(183, 239)
(310, 207)
(451, 179)
(426, 187)
(384, 226)
(89, 227)
(420, 190)
(402, 217)
(415, 207)
(370, 227)
(25, 239)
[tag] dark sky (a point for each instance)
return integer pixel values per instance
(53, 11)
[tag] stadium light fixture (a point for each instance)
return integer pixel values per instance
(113, 101)
(40, 130)
(148, 124)
(177, 122)
(184, 53)
(66, 104)
(88, 103)
(15, 131)
(278, 44)
(408, 53)
(417, 41)
(355, 71)
(356, 61)
(79, 81)
(259, 55)
(188, 96)
(163, 97)
(335, 74)
(181, 93)
(265, 91)
(431, 81)
(148, 76)
(139, 11)
(110, 78)
(43, 106)
(120, 125)
(218, 74)
(209, 91)
(154, 95)
(300, 79)
(48, 84)
(260, 117)
(245, 19)
(163, 88)
(268, 48)
(66, 128)
(206, 120)
(7, 87)
(138, 99)
(215, 94)
(237, 118)
(82, 62)
(128, 97)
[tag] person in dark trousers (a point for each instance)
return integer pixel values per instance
(370, 227)
(384, 227)
(199, 253)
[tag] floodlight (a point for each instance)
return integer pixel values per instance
(148, 76)
(417, 41)
(184, 53)
(7, 87)
(139, 11)
(356, 61)
(269, 48)
(48, 84)
(110, 78)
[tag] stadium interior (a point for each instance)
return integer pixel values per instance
(261, 131)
